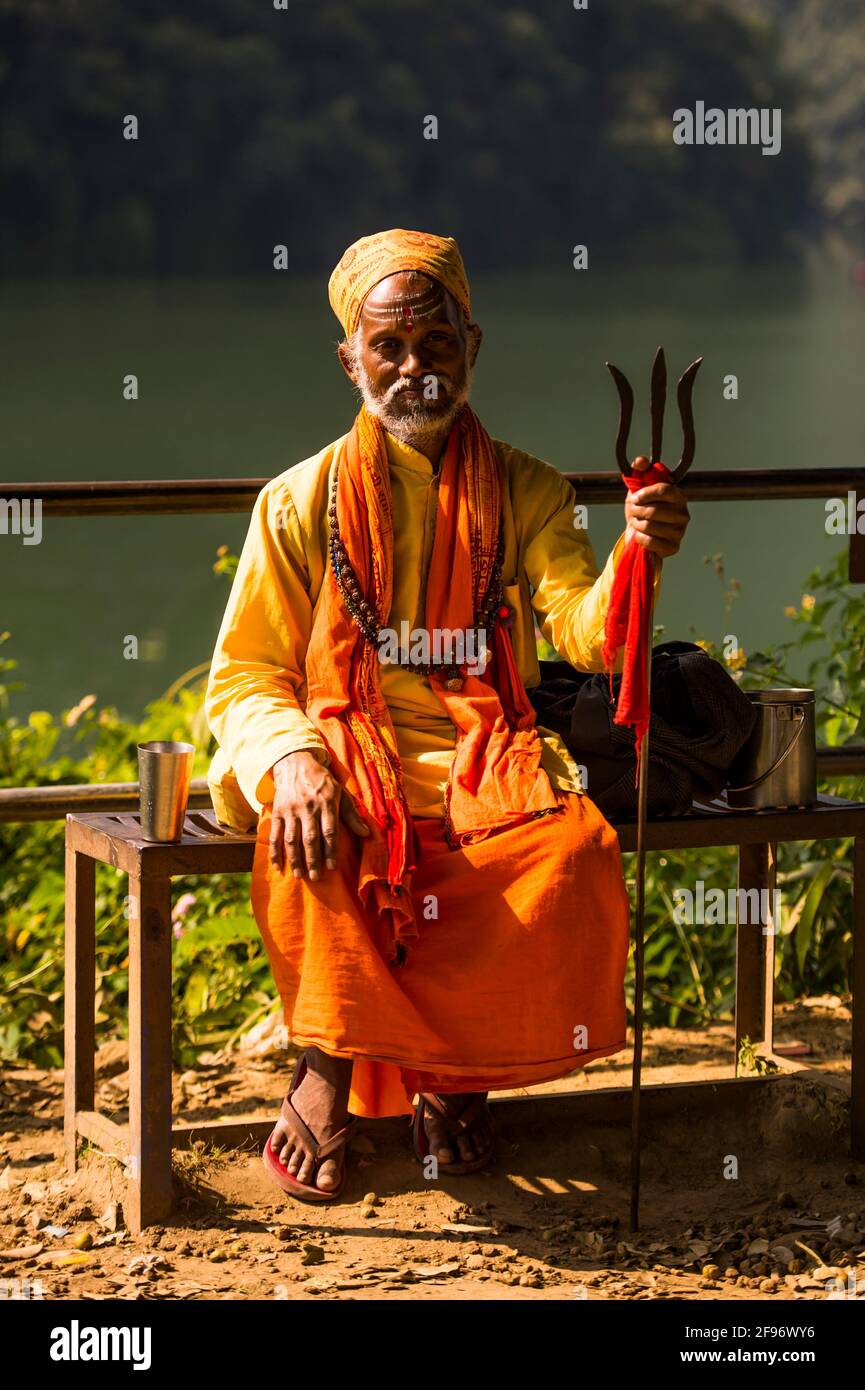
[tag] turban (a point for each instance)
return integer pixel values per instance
(375, 257)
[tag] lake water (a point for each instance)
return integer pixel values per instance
(239, 379)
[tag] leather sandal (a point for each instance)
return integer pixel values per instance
(455, 1126)
(277, 1170)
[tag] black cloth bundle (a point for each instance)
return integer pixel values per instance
(699, 721)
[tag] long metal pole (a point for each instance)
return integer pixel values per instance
(639, 926)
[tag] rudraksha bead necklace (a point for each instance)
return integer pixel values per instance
(365, 617)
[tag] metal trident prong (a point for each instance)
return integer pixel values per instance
(657, 403)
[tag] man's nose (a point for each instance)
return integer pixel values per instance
(411, 364)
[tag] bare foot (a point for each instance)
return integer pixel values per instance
(321, 1101)
(476, 1140)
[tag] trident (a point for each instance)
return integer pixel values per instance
(657, 403)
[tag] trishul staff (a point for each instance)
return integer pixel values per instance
(630, 622)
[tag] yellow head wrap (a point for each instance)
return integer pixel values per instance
(375, 257)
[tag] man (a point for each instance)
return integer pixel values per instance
(442, 903)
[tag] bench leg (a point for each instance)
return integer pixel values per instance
(857, 981)
(149, 1199)
(79, 1022)
(755, 949)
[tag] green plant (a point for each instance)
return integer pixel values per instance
(690, 971)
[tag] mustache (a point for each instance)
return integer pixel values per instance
(445, 384)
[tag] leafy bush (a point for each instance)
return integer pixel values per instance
(690, 970)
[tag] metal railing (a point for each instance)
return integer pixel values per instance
(19, 804)
(160, 497)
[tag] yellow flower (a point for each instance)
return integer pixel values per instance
(808, 601)
(790, 611)
(737, 659)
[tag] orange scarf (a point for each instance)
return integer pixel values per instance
(496, 778)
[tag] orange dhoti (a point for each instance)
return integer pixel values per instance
(516, 976)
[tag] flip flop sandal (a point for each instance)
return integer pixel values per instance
(455, 1126)
(276, 1169)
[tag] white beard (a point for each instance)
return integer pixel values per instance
(414, 423)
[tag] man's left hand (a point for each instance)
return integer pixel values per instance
(657, 515)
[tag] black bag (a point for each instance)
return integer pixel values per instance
(699, 721)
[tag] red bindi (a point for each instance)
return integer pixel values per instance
(408, 317)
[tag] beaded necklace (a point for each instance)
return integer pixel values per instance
(366, 619)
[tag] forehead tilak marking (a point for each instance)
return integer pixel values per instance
(415, 304)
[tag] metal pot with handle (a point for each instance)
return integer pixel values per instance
(777, 767)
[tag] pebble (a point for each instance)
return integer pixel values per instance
(475, 1262)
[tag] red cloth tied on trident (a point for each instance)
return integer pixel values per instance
(627, 619)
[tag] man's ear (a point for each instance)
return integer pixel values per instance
(475, 336)
(343, 352)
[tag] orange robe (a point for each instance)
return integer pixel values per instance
(516, 977)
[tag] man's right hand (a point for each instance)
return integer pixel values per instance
(307, 807)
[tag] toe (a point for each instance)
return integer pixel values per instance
(466, 1148)
(328, 1175)
(305, 1170)
(439, 1145)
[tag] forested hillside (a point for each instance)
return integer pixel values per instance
(305, 126)
(822, 45)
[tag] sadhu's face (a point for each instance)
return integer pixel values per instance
(413, 350)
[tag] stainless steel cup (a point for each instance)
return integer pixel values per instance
(164, 775)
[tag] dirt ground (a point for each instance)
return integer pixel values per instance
(548, 1220)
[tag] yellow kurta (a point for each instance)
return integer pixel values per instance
(256, 693)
